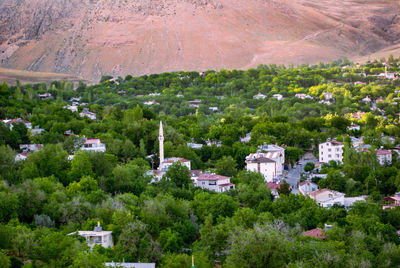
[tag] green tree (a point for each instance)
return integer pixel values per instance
(226, 166)
(179, 175)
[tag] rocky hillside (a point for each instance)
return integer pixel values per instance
(94, 37)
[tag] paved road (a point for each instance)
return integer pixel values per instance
(293, 175)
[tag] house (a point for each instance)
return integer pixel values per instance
(93, 145)
(268, 161)
(303, 96)
(328, 95)
(151, 103)
(86, 113)
(357, 115)
(354, 127)
(246, 139)
(391, 201)
(96, 237)
(10, 123)
(72, 108)
(327, 198)
(36, 130)
(216, 143)
(179, 96)
(122, 92)
(331, 150)
(214, 182)
(384, 157)
(316, 233)
(164, 166)
(380, 100)
(30, 147)
(155, 94)
(194, 145)
(357, 142)
(214, 109)
(327, 102)
(130, 265)
(44, 96)
(274, 186)
(349, 201)
(307, 187)
(259, 96)
(75, 99)
(194, 175)
(21, 156)
(277, 96)
(195, 103)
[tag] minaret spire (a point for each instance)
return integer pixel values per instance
(161, 143)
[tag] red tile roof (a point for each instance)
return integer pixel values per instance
(273, 185)
(383, 152)
(91, 141)
(316, 233)
(211, 177)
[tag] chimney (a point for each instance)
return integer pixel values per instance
(98, 227)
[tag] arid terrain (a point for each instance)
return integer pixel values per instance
(90, 38)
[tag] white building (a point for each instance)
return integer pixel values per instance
(130, 265)
(214, 109)
(331, 150)
(194, 145)
(384, 157)
(72, 108)
(86, 113)
(268, 161)
(354, 127)
(307, 187)
(214, 182)
(96, 237)
(246, 139)
(10, 123)
(44, 96)
(151, 103)
(327, 198)
(277, 96)
(21, 156)
(164, 166)
(328, 95)
(30, 147)
(302, 96)
(259, 96)
(195, 103)
(37, 130)
(94, 145)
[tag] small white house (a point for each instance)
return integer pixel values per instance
(37, 130)
(10, 123)
(164, 166)
(130, 265)
(277, 96)
(331, 150)
(246, 139)
(194, 145)
(366, 100)
(94, 145)
(259, 96)
(307, 187)
(151, 103)
(328, 95)
(354, 127)
(327, 198)
(30, 147)
(214, 109)
(384, 157)
(302, 96)
(96, 237)
(72, 108)
(44, 96)
(261, 164)
(214, 182)
(86, 113)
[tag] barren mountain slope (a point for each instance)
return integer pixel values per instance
(94, 37)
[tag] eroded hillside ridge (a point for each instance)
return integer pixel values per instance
(118, 37)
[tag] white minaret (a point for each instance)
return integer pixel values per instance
(161, 143)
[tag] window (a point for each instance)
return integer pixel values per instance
(329, 150)
(322, 153)
(337, 149)
(329, 156)
(212, 183)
